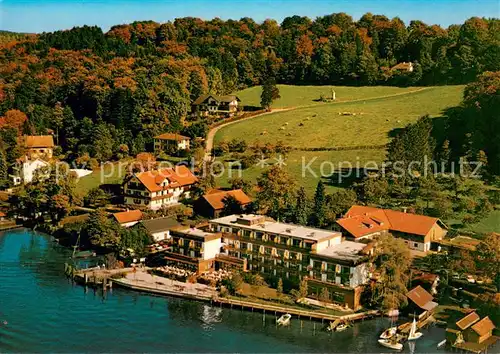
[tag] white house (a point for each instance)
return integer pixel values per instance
(25, 171)
(128, 218)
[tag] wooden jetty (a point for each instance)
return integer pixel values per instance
(405, 327)
(98, 277)
(306, 314)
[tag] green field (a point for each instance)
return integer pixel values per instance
(109, 173)
(295, 96)
(319, 125)
(322, 125)
(319, 162)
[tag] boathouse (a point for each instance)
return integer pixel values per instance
(420, 302)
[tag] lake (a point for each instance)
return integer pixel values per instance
(42, 311)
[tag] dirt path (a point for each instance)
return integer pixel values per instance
(211, 134)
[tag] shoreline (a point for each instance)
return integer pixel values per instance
(142, 281)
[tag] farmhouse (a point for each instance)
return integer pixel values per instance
(418, 231)
(168, 141)
(128, 218)
(215, 105)
(212, 203)
(403, 67)
(38, 146)
(159, 188)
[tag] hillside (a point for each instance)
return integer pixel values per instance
(319, 125)
(323, 125)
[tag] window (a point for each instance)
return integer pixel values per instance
(415, 245)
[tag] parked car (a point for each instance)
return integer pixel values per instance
(471, 279)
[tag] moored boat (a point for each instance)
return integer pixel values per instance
(391, 343)
(389, 332)
(284, 320)
(414, 334)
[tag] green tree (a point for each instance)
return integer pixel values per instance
(231, 205)
(324, 295)
(279, 287)
(301, 207)
(240, 183)
(270, 93)
(319, 208)
(101, 231)
(96, 197)
(4, 169)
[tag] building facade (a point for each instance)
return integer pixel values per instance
(212, 204)
(206, 105)
(167, 141)
(26, 170)
(38, 146)
(159, 188)
(292, 252)
(417, 231)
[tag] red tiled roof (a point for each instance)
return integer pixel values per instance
(468, 321)
(419, 296)
(216, 200)
(363, 220)
(38, 141)
(402, 66)
(172, 136)
(484, 326)
(178, 176)
(365, 224)
(2, 214)
(410, 223)
(128, 216)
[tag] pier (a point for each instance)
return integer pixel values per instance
(141, 280)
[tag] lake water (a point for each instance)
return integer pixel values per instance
(42, 311)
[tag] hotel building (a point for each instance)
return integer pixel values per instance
(291, 252)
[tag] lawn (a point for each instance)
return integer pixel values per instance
(490, 223)
(323, 125)
(109, 173)
(295, 96)
(308, 167)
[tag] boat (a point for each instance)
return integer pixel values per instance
(341, 327)
(84, 254)
(389, 332)
(413, 331)
(284, 320)
(391, 343)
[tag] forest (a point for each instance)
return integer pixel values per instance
(105, 95)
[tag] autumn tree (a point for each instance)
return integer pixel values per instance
(392, 260)
(488, 257)
(14, 119)
(277, 192)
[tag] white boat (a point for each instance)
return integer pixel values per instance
(389, 332)
(392, 344)
(341, 327)
(413, 331)
(284, 320)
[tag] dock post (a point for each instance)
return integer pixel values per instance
(111, 284)
(314, 327)
(264, 316)
(85, 278)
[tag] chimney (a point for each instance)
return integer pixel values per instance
(404, 209)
